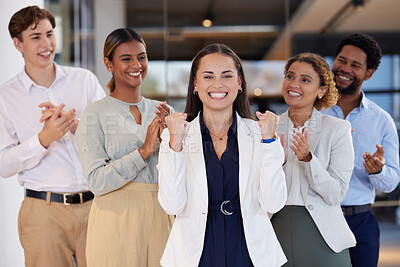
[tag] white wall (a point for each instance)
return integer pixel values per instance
(105, 23)
(11, 193)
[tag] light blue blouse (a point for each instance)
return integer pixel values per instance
(108, 139)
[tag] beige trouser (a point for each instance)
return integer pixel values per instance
(53, 233)
(127, 227)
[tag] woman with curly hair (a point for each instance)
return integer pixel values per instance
(319, 162)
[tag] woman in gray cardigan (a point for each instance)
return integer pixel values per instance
(117, 139)
(319, 152)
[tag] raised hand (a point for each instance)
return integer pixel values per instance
(374, 164)
(268, 123)
(300, 144)
(176, 124)
(56, 126)
(150, 143)
(162, 112)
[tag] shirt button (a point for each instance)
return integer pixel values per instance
(310, 207)
(316, 176)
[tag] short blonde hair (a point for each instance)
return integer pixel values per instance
(319, 64)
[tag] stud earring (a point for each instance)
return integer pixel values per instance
(319, 97)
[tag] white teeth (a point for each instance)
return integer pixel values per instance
(344, 78)
(218, 95)
(45, 53)
(291, 93)
(134, 73)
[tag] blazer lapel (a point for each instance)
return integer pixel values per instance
(314, 129)
(245, 142)
(194, 147)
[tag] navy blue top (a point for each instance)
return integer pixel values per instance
(224, 243)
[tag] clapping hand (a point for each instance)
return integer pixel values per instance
(150, 143)
(56, 125)
(162, 112)
(300, 144)
(48, 111)
(374, 164)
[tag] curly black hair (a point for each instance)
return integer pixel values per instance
(366, 43)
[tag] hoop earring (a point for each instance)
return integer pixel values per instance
(240, 91)
(195, 92)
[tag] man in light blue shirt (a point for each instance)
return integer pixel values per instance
(375, 141)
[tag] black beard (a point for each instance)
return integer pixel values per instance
(351, 89)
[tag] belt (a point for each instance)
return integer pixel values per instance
(352, 210)
(66, 198)
(226, 207)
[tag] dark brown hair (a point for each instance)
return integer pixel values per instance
(322, 68)
(26, 17)
(193, 102)
(115, 39)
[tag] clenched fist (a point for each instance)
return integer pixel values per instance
(176, 124)
(268, 123)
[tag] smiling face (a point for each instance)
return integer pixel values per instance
(217, 82)
(350, 70)
(38, 45)
(129, 64)
(301, 86)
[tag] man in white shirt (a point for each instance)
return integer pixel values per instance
(39, 108)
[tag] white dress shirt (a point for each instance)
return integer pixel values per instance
(56, 168)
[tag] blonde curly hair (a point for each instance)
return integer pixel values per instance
(322, 68)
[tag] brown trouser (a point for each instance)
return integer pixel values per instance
(52, 234)
(127, 228)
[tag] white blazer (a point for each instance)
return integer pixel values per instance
(328, 176)
(183, 192)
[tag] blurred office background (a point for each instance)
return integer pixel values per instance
(264, 33)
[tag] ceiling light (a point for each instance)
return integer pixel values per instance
(207, 22)
(257, 92)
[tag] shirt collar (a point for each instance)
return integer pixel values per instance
(364, 101)
(363, 105)
(28, 82)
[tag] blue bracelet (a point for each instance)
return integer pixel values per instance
(267, 141)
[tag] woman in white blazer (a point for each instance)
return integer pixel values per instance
(311, 227)
(220, 171)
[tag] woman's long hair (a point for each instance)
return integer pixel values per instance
(193, 102)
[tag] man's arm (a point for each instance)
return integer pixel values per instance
(388, 178)
(17, 156)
